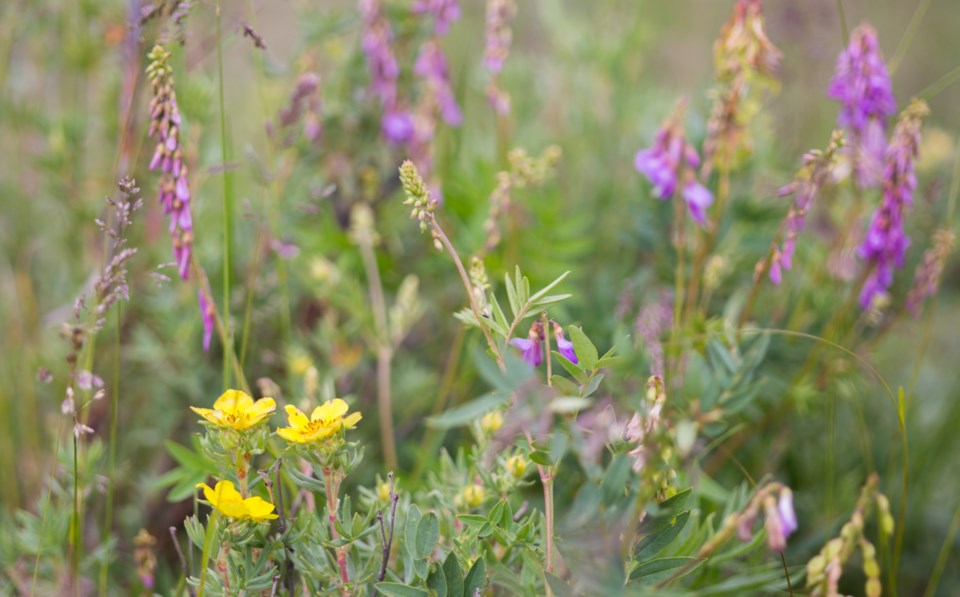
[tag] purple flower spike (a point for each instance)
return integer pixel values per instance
(444, 12)
(206, 314)
(381, 61)
(670, 162)
(398, 127)
(885, 244)
(530, 349)
(431, 65)
(861, 83)
(564, 346)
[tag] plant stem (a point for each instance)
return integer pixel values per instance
(331, 485)
(468, 288)
(384, 347)
(227, 208)
(678, 245)
(207, 544)
(112, 458)
(944, 554)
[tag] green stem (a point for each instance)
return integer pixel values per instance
(207, 544)
(227, 208)
(944, 554)
(844, 29)
(112, 458)
(908, 35)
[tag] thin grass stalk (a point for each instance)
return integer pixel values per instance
(944, 554)
(909, 34)
(112, 458)
(227, 207)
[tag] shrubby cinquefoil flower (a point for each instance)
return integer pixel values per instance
(325, 421)
(236, 410)
(227, 500)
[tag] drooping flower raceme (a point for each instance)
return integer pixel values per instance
(817, 170)
(236, 410)
(672, 162)
(444, 13)
(325, 421)
(168, 157)
(499, 36)
(886, 242)
(926, 280)
(225, 498)
(861, 83)
(377, 37)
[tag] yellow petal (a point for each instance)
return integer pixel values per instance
(259, 509)
(297, 419)
(232, 401)
(290, 434)
(321, 432)
(350, 421)
(208, 414)
(260, 410)
(329, 410)
(207, 492)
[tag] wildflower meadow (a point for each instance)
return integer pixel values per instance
(464, 298)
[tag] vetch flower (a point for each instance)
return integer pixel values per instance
(861, 83)
(225, 498)
(444, 12)
(531, 347)
(325, 420)
(168, 157)
(926, 280)
(564, 346)
(207, 316)
(431, 65)
(788, 517)
(236, 410)
(499, 36)
(672, 161)
(885, 244)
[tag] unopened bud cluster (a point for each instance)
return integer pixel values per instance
(418, 195)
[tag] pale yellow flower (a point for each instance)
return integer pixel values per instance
(517, 466)
(325, 421)
(492, 421)
(473, 495)
(236, 410)
(227, 500)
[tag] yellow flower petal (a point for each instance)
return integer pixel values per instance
(260, 410)
(329, 410)
(297, 419)
(259, 509)
(208, 414)
(350, 421)
(232, 401)
(291, 435)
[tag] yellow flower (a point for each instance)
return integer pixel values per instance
(517, 466)
(492, 421)
(228, 501)
(326, 420)
(236, 410)
(473, 495)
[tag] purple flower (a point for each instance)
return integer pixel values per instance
(530, 348)
(444, 12)
(206, 315)
(397, 127)
(564, 346)
(431, 65)
(376, 43)
(788, 517)
(861, 83)
(498, 34)
(780, 520)
(671, 160)
(886, 243)
(168, 158)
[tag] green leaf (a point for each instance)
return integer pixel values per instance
(453, 574)
(410, 530)
(540, 457)
(437, 582)
(543, 291)
(572, 368)
(663, 530)
(661, 569)
(549, 300)
(395, 589)
(586, 351)
(428, 531)
(468, 412)
(502, 514)
(476, 578)
(559, 588)
(512, 295)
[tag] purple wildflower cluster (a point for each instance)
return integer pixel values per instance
(531, 347)
(431, 65)
(927, 277)
(168, 157)
(817, 171)
(862, 85)
(304, 103)
(642, 428)
(499, 36)
(377, 37)
(672, 162)
(886, 242)
(444, 13)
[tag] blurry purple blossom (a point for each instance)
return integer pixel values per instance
(530, 348)
(652, 320)
(431, 65)
(886, 242)
(444, 12)
(376, 43)
(499, 36)
(168, 157)
(861, 83)
(671, 160)
(816, 172)
(926, 280)
(284, 249)
(398, 127)
(207, 316)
